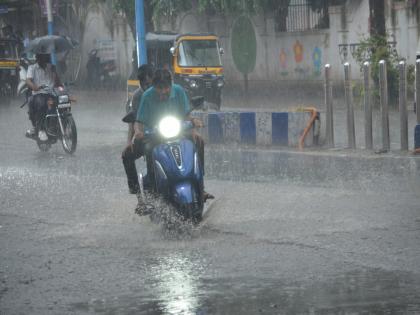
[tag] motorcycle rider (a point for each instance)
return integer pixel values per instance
(93, 66)
(162, 98)
(41, 74)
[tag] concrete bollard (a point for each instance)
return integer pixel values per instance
(418, 90)
(417, 128)
(383, 87)
(329, 121)
(368, 106)
(351, 135)
(403, 105)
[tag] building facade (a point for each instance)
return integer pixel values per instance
(297, 49)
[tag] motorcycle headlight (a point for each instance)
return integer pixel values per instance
(62, 99)
(169, 127)
(220, 83)
(193, 84)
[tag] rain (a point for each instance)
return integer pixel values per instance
(309, 115)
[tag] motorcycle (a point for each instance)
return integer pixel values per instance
(58, 123)
(177, 174)
(101, 73)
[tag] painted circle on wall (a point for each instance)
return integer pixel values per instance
(244, 45)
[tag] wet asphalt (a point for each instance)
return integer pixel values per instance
(319, 232)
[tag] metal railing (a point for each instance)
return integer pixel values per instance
(300, 15)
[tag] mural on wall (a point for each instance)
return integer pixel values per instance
(283, 63)
(317, 60)
(298, 52)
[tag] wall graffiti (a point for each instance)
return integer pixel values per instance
(298, 51)
(317, 60)
(303, 68)
(283, 63)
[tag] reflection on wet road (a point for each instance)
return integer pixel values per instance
(288, 233)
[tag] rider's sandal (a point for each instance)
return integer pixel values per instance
(207, 196)
(142, 210)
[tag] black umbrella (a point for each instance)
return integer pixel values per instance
(51, 43)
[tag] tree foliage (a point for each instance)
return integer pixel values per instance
(128, 8)
(374, 49)
(155, 9)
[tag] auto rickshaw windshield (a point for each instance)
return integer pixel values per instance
(199, 53)
(7, 50)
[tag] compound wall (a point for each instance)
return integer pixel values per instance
(256, 128)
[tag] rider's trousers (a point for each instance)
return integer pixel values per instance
(37, 108)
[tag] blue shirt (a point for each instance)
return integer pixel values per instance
(152, 109)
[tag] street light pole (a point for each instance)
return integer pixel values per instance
(141, 34)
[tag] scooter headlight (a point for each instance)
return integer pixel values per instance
(63, 99)
(169, 127)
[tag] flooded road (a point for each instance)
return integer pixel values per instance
(288, 233)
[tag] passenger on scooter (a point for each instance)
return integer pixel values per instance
(129, 155)
(40, 75)
(161, 99)
(145, 77)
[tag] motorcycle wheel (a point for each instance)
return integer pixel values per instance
(69, 138)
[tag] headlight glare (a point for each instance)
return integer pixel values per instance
(169, 127)
(193, 84)
(63, 99)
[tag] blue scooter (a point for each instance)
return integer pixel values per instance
(176, 173)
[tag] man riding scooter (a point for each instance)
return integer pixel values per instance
(41, 76)
(161, 99)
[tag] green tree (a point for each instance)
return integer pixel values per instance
(128, 8)
(244, 47)
(155, 9)
(374, 49)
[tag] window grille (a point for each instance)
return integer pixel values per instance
(302, 15)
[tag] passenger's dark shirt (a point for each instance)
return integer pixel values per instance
(136, 99)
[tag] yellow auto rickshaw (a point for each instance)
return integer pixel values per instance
(193, 59)
(9, 67)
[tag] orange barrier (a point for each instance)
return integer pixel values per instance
(309, 126)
